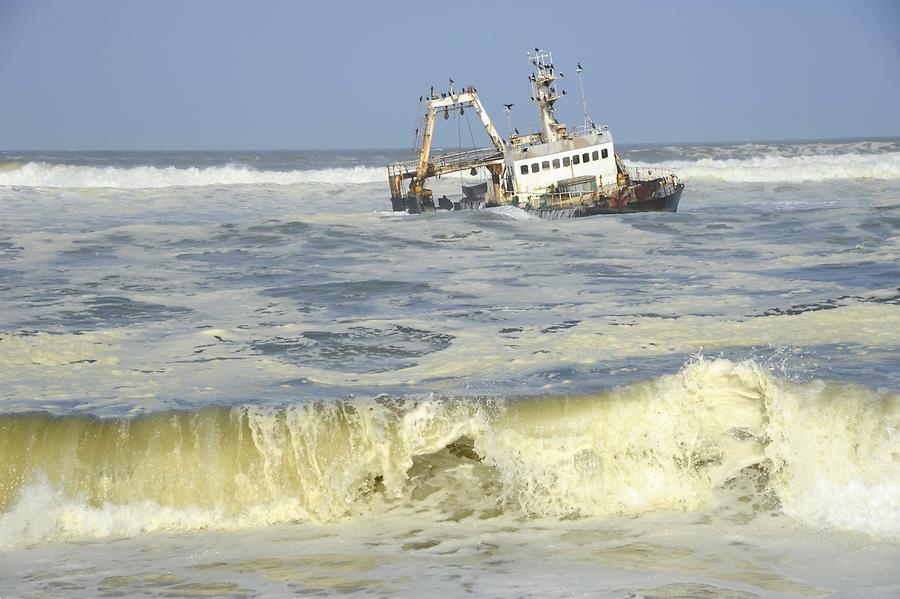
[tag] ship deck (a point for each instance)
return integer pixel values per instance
(447, 163)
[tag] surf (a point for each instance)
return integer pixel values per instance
(772, 168)
(41, 174)
(826, 451)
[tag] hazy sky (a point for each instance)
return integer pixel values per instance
(214, 74)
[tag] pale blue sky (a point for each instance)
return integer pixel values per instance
(212, 74)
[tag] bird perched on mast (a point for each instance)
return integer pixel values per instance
(587, 119)
(508, 125)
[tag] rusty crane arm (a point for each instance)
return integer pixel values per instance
(426, 167)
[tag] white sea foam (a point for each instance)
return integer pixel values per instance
(789, 169)
(511, 212)
(666, 443)
(834, 455)
(769, 165)
(40, 174)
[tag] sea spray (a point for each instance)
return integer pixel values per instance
(40, 174)
(786, 169)
(834, 451)
(835, 164)
(659, 444)
(666, 443)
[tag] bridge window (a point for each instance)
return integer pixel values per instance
(576, 159)
(556, 163)
(545, 165)
(523, 169)
(585, 157)
(595, 155)
(534, 167)
(605, 153)
(566, 161)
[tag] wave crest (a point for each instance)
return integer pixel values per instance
(786, 169)
(827, 451)
(41, 174)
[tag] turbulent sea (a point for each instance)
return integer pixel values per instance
(239, 374)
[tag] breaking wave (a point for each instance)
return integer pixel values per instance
(769, 165)
(827, 451)
(40, 174)
(787, 169)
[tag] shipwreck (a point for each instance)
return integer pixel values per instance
(555, 172)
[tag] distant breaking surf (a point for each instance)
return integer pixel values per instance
(786, 169)
(41, 174)
(763, 168)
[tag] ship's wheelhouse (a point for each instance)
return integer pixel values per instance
(536, 168)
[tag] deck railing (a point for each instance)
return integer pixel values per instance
(556, 199)
(666, 184)
(445, 163)
(585, 129)
(643, 173)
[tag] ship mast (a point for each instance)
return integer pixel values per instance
(544, 94)
(587, 120)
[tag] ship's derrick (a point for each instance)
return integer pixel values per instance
(425, 166)
(490, 158)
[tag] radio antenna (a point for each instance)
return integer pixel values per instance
(587, 120)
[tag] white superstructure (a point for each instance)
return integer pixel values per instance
(540, 161)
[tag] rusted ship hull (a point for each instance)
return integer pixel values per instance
(667, 203)
(644, 196)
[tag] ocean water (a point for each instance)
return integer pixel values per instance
(239, 374)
